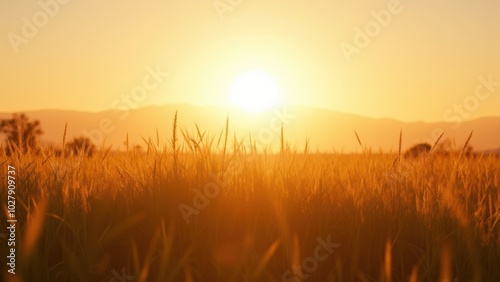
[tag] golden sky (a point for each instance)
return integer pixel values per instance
(409, 60)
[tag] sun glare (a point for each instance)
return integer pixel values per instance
(254, 91)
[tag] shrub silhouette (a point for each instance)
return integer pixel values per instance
(80, 145)
(418, 150)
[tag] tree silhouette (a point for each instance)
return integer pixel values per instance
(81, 145)
(22, 134)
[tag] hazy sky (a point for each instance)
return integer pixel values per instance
(415, 60)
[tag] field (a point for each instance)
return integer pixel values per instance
(207, 208)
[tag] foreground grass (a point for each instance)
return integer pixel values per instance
(197, 214)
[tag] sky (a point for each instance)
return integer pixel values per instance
(408, 60)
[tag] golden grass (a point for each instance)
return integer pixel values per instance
(432, 219)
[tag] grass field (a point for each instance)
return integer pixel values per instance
(196, 208)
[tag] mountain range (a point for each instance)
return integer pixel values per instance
(325, 130)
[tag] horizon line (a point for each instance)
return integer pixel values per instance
(232, 107)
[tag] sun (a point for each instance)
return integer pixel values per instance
(254, 91)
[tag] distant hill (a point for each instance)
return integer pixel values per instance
(326, 129)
